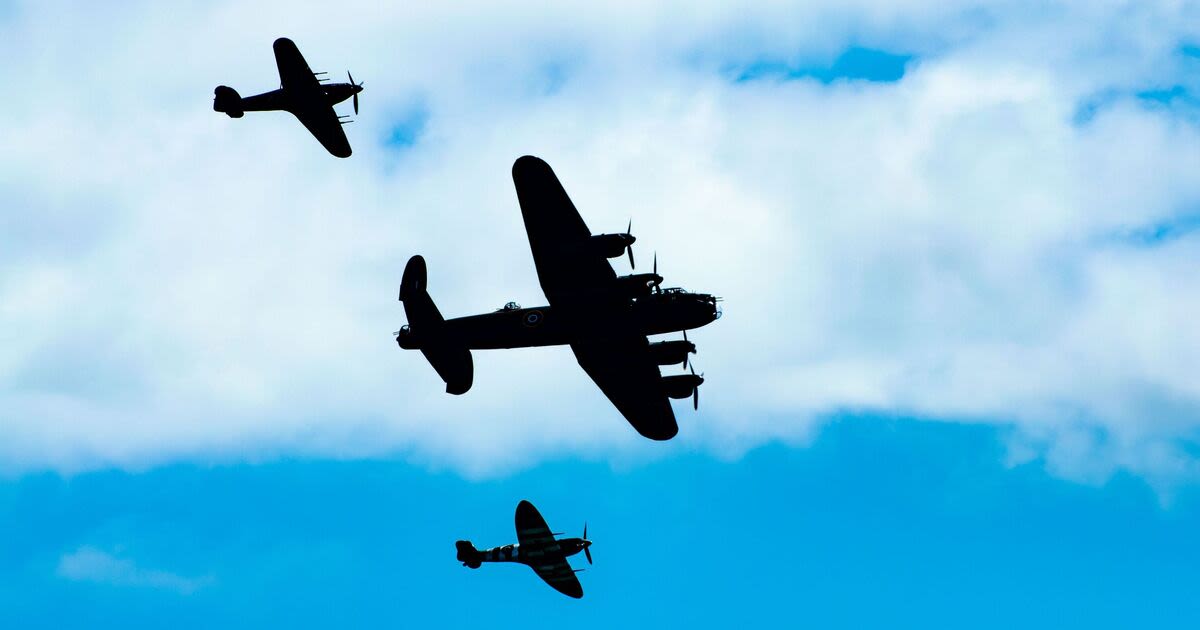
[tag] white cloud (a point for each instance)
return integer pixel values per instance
(88, 564)
(953, 246)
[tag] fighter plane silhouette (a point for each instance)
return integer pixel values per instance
(303, 94)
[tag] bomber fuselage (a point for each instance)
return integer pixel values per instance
(671, 310)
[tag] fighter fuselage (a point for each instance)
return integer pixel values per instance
(285, 100)
(512, 553)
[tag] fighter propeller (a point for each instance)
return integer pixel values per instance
(586, 544)
(357, 85)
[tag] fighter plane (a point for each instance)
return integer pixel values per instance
(535, 548)
(605, 318)
(301, 92)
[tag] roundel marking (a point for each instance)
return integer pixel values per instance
(532, 318)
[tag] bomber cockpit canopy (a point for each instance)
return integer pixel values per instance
(511, 306)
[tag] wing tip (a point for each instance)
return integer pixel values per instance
(658, 433)
(415, 278)
(664, 437)
(528, 163)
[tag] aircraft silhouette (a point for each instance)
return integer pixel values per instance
(300, 92)
(537, 549)
(605, 318)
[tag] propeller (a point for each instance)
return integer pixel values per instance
(586, 543)
(696, 390)
(357, 85)
(657, 287)
(629, 247)
(685, 355)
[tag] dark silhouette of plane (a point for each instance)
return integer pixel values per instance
(535, 548)
(605, 318)
(300, 92)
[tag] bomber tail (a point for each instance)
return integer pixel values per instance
(227, 101)
(468, 554)
(451, 360)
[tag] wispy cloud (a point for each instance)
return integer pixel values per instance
(88, 564)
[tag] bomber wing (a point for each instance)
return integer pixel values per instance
(624, 371)
(557, 234)
(574, 278)
(541, 551)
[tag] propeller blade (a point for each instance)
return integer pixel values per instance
(351, 77)
(657, 287)
(685, 356)
(696, 398)
(586, 544)
(629, 247)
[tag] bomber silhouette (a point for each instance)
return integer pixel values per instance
(605, 318)
(302, 93)
(536, 548)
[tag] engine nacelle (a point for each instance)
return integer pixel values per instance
(226, 100)
(681, 386)
(671, 352)
(610, 245)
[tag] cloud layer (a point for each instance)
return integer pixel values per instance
(1005, 234)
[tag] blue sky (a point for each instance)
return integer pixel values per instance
(957, 381)
(879, 522)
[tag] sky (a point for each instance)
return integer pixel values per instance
(957, 378)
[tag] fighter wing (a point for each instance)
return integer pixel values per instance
(558, 236)
(541, 551)
(624, 371)
(307, 99)
(294, 73)
(322, 122)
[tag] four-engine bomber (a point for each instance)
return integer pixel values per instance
(605, 318)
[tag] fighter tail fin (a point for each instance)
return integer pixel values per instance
(450, 359)
(468, 554)
(227, 101)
